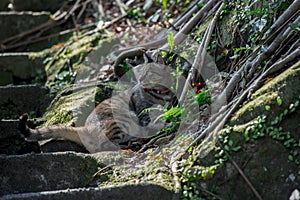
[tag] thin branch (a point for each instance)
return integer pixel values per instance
(32, 41)
(162, 41)
(47, 25)
(84, 5)
(258, 196)
(21, 35)
(188, 14)
(98, 173)
(279, 64)
(122, 8)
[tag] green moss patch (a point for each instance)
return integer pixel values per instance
(272, 98)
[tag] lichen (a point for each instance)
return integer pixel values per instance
(73, 104)
(130, 175)
(254, 108)
(285, 86)
(73, 53)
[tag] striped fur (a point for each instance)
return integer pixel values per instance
(119, 120)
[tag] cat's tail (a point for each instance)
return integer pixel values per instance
(50, 132)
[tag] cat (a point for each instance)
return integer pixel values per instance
(118, 121)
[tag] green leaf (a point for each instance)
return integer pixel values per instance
(236, 148)
(200, 5)
(267, 107)
(165, 4)
(279, 101)
(171, 41)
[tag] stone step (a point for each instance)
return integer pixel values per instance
(38, 5)
(14, 23)
(141, 191)
(16, 100)
(21, 67)
(9, 128)
(45, 172)
(4, 5)
(11, 142)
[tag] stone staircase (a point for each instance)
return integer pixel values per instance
(57, 169)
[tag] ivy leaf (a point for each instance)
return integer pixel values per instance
(279, 101)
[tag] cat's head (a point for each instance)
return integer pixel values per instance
(155, 77)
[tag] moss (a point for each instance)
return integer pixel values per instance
(254, 108)
(128, 174)
(73, 53)
(286, 78)
(285, 86)
(121, 172)
(75, 103)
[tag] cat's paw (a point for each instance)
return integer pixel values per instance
(23, 125)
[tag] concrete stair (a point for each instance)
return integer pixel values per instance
(52, 169)
(21, 67)
(143, 191)
(13, 23)
(66, 175)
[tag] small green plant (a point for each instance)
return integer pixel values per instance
(203, 97)
(190, 179)
(246, 49)
(173, 114)
(171, 41)
(259, 128)
(165, 4)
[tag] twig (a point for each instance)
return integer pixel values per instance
(180, 36)
(122, 9)
(47, 25)
(245, 178)
(295, 44)
(84, 5)
(21, 35)
(99, 172)
(105, 26)
(162, 41)
(188, 14)
(46, 37)
(64, 33)
(210, 193)
(279, 64)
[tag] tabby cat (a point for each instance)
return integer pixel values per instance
(119, 120)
